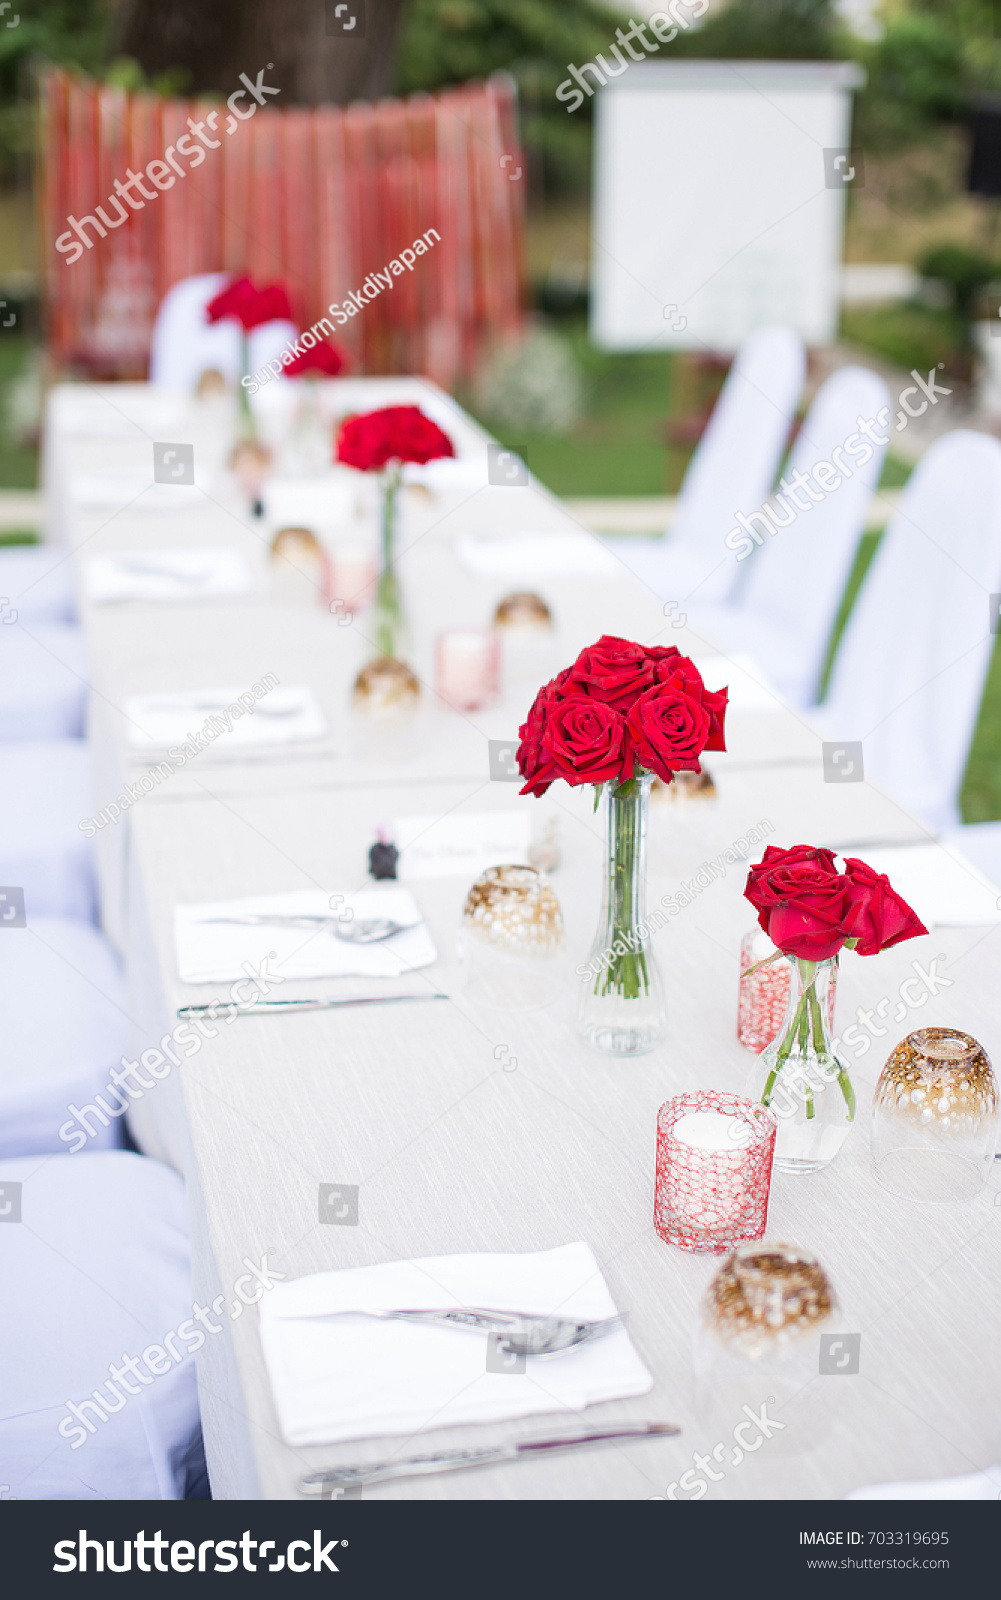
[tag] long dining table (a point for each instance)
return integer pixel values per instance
(466, 1127)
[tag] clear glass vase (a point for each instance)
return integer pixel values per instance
(621, 1008)
(389, 621)
(800, 1076)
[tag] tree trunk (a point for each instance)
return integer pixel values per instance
(301, 44)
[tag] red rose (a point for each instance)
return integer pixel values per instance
(586, 741)
(394, 433)
(883, 918)
(613, 671)
(806, 907)
(683, 673)
(669, 729)
(250, 306)
(532, 764)
(321, 357)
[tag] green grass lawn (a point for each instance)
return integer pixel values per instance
(18, 463)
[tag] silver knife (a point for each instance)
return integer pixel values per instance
(245, 1008)
(352, 1477)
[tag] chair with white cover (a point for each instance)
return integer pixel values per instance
(46, 791)
(62, 998)
(97, 1276)
(43, 680)
(185, 344)
(802, 546)
(910, 668)
(732, 470)
(36, 582)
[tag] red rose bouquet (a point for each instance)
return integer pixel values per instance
(382, 441)
(242, 302)
(621, 715)
(812, 911)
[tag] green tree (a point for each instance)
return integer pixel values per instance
(451, 41)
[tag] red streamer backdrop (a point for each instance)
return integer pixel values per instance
(315, 196)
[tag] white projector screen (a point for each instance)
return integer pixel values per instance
(717, 194)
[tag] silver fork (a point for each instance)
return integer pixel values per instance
(524, 1333)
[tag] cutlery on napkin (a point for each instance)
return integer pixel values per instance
(214, 940)
(336, 1375)
(206, 572)
(284, 715)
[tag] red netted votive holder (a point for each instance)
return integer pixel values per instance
(764, 995)
(714, 1170)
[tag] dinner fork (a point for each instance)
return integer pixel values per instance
(524, 1333)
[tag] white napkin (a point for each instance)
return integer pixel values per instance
(134, 488)
(944, 888)
(526, 557)
(196, 573)
(216, 952)
(282, 716)
(352, 1377)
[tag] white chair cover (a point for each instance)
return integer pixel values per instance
(97, 1271)
(43, 680)
(36, 581)
(62, 998)
(185, 344)
(911, 665)
(732, 470)
(45, 792)
(783, 613)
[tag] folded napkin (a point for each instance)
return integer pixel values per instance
(195, 573)
(524, 557)
(337, 1377)
(281, 716)
(945, 889)
(134, 488)
(216, 952)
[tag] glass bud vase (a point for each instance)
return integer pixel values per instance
(801, 1077)
(392, 636)
(621, 1008)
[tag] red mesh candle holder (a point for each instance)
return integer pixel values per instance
(763, 997)
(714, 1172)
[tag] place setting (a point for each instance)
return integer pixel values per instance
(167, 575)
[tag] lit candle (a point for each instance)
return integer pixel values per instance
(467, 663)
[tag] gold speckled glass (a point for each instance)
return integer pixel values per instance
(935, 1118)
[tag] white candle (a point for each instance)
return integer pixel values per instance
(711, 1130)
(706, 1193)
